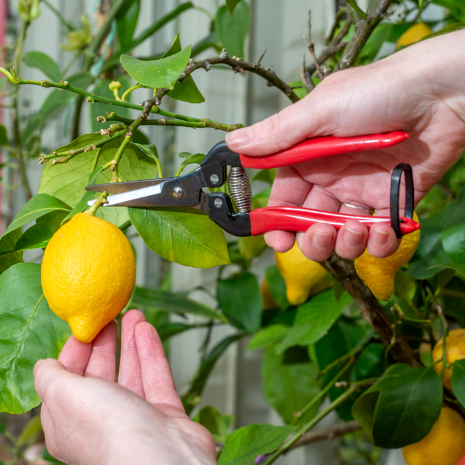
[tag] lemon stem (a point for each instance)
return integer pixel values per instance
(100, 201)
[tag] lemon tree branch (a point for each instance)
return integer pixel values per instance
(92, 98)
(205, 123)
(309, 425)
(370, 309)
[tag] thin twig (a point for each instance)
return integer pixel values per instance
(311, 45)
(334, 47)
(337, 430)
(363, 31)
(360, 13)
(239, 66)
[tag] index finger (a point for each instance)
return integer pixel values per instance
(156, 373)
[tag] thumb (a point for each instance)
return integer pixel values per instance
(283, 130)
(45, 373)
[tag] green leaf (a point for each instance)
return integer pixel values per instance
(240, 299)
(370, 364)
(277, 286)
(46, 455)
(30, 431)
(453, 233)
(190, 159)
(44, 63)
(233, 29)
(3, 136)
(456, 8)
(30, 331)
(68, 181)
(88, 195)
(53, 220)
(459, 267)
(289, 387)
(244, 445)
(35, 237)
(99, 109)
(401, 407)
(231, 4)
(2, 428)
(192, 397)
(380, 35)
(430, 250)
(186, 90)
(182, 235)
(458, 380)
(313, 320)
(342, 338)
(268, 337)
(252, 246)
(265, 176)
(171, 302)
(126, 21)
(38, 206)
(218, 425)
(56, 101)
(157, 73)
(7, 245)
(261, 199)
(148, 32)
(171, 329)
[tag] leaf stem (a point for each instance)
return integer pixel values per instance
(125, 225)
(134, 87)
(69, 25)
(16, 130)
(357, 9)
(101, 34)
(307, 426)
(322, 393)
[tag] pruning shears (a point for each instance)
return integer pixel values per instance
(234, 212)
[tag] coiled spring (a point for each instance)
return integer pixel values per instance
(239, 189)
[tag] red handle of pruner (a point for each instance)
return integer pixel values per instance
(299, 219)
(324, 147)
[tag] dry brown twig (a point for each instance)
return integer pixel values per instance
(311, 45)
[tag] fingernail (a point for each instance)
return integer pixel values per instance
(352, 238)
(321, 240)
(380, 238)
(239, 139)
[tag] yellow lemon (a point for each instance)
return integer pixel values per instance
(378, 273)
(414, 34)
(268, 300)
(455, 350)
(88, 274)
(301, 275)
(443, 445)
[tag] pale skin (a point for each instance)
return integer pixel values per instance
(419, 90)
(89, 419)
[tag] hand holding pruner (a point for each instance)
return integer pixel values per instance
(234, 212)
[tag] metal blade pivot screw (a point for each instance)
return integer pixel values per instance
(178, 193)
(214, 178)
(218, 203)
